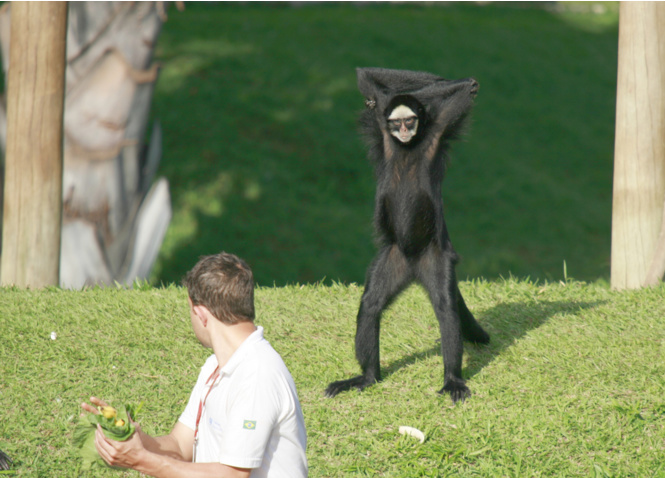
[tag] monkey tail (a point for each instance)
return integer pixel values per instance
(471, 329)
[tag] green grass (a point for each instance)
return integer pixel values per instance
(259, 105)
(572, 385)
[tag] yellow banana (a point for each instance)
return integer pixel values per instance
(108, 412)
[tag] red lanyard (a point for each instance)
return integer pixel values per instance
(211, 381)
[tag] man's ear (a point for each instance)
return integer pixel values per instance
(202, 312)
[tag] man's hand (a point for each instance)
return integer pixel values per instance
(123, 454)
(96, 402)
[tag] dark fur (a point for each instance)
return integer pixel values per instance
(414, 241)
(5, 461)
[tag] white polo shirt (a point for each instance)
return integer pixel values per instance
(252, 416)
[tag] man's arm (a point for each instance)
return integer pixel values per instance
(162, 463)
(177, 444)
(168, 456)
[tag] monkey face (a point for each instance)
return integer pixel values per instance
(403, 123)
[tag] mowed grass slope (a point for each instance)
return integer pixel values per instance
(571, 385)
(259, 106)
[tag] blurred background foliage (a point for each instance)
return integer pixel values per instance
(259, 104)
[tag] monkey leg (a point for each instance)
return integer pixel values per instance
(388, 275)
(471, 329)
(436, 272)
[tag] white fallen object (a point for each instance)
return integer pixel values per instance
(412, 432)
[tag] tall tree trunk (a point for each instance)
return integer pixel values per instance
(33, 192)
(114, 216)
(639, 161)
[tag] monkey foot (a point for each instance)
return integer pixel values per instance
(457, 389)
(360, 382)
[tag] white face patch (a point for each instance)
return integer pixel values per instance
(403, 123)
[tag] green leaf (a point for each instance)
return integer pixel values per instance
(84, 434)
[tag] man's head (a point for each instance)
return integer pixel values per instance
(224, 284)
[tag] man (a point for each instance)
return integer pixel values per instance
(243, 417)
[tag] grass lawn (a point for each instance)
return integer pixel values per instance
(259, 106)
(572, 385)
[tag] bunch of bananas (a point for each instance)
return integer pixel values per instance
(116, 425)
(109, 412)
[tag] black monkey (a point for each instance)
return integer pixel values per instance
(5, 461)
(408, 123)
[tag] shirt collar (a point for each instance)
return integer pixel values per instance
(240, 353)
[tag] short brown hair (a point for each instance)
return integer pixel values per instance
(224, 284)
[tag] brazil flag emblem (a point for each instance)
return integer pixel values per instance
(249, 425)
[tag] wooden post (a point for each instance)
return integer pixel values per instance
(33, 163)
(639, 154)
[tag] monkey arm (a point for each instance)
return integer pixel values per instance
(447, 101)
(450, 103)
(380, 84)
(397, 81)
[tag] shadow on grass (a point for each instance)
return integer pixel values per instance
(506, 323)
(259, 108)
